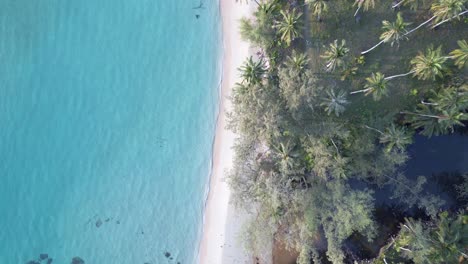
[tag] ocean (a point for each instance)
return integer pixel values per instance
(108, 112)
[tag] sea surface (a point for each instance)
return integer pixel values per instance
(107, 118)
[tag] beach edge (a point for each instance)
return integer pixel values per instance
(217, 236)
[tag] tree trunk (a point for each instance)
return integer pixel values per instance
(399, 75)
(430, 116)
(398, 4)
(405, 249)
(441, 22)
(375, 129)
(422, 24)
(357, 10)
(426, 103)
(378, 44)
(360, 91)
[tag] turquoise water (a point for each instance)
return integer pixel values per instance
(107, 111)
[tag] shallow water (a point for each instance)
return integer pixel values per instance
(107, 113)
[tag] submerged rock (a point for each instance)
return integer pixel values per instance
(167, 254)
(98, 223)
(49, 261)
(43, 256)
(77, 260)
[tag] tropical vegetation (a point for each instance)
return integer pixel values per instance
(325, 129)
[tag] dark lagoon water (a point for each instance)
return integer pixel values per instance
(437, 154)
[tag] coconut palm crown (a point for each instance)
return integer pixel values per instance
(461, 55)
(429, 65)
(376, 85)
(446, 9)
(335, 55)
(396, 137)
(319, 7)
(252, 72)
(335, 102)
(297, 61)
(290, 26)
(394, 32)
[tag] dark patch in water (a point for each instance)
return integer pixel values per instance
(43, 256)
(98, 223)
(167, 254)
(77, 260)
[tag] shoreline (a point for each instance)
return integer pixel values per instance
(219, 240)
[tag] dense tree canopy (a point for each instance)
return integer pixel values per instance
(312, 156)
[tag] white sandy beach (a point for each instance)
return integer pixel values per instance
(219, 243)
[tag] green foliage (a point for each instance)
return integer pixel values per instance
(376, 85)
(298, 88)
(260, 29)
(297, 62)
(461, 55)
(335, 55)
(442, 240)
(412, 194)
(446, 9)
(394, 32)
(416, 4)
(366, 4)
(429, 65)
(462, 189)
(252, 72)
(335, 102)
(450, 99)
(290, 26)
(396, 137)
(319, 7)
(303, 144)
(434, 120)
(342, 212)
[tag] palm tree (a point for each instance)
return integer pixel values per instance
(429, 65)
(393, 32)
(367, 4)
(450, 98)
(252, 72)
(426, 66)
(460, 55)
(443, 11)
(290, 26)
(376, 85)
(286, 153)
(447, 9)
(434, 122)
(396, 137)
(335, 55)
(335, 102)
(319, 7)
(449, 239)
(297, 61)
